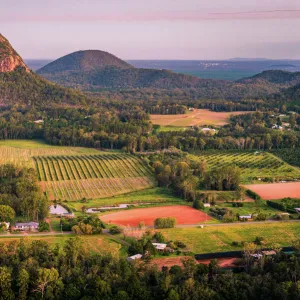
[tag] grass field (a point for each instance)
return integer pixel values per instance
(154, 195)
(219, 238)
(198, 117)
(263, 165)
(94, 243)
(250, 208)
(73, 173)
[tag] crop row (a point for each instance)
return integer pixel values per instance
(73, 190)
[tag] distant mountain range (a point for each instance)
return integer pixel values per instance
(95, 70)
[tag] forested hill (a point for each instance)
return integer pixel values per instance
(84, 61)
(26, 88)
(19, 85)
(277, 77)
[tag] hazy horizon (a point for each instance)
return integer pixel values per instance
(160, 30)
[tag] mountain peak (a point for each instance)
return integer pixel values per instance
(85, 60)
(9, 58)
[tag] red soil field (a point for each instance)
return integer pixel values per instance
(273, 191)
(177, 261)
(132, 217)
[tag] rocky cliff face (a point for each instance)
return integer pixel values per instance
(9, 58)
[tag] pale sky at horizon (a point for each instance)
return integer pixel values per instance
(153, 29)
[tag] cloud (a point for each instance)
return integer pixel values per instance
(153, 17)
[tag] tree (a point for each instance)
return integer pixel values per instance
(47, 277)
(44, 226)
(23, 284)
(7, 214)
(6, 292)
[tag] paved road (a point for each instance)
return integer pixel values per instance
(35, 234)
(106, 232)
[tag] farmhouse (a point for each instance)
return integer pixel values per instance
(134, 257)
(27, 226)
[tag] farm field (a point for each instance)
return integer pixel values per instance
(273, 191)
(94, 243)
(155, 195)
(262, 165)
(198, 117)
(73, 173)
(183, 215)
(219, 238)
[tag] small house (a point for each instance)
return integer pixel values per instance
(206, 130)
(39, 122)
(27, 226)
(268, 252)
(206, 204)
(246, 217)
(297, 210)
(134, 257)
(159, 246)
(277, 127)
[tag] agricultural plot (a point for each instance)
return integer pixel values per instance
(73, 173)
(20, 152)
(214, 238)
(182, 214)
(274, 191)
(253, 166)
(198, 117)
(91, 176)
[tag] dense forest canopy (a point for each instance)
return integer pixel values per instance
(34, 270)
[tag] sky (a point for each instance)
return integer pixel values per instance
(153, 29)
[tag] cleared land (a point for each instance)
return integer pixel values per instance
(73, 173)
(275, 191)
(252, 165)
(178, 261)
(183, 215)
(198, 117)
(220, 238)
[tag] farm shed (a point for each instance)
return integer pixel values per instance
(159, 246)
(134, 257)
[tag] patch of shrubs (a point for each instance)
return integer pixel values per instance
(237, 204)
(169, 222)
(115, 230)
(253, 195)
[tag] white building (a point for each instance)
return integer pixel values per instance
(206, 204)
(27, 226)
(206, 129)
(247, 217)
(134, 257)
(159, 246)
(39, 122)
